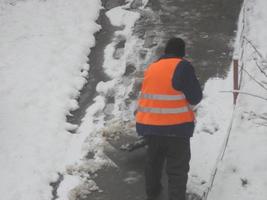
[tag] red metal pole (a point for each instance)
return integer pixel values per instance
(235, 62)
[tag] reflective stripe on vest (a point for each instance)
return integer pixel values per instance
(162, 97)
(163, 110)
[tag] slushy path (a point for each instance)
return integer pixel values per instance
(208, 27)
(96, 59)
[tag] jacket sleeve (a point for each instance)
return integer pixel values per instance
(185, 80)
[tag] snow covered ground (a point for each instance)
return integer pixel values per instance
(241, 173)
(44, 49)
(215, 113)
(43, 62)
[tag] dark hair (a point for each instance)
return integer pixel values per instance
(175, 46)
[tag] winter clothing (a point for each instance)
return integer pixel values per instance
(175, 46)
(159, 102)
(166, 120)
(184, 80)
(176, 151)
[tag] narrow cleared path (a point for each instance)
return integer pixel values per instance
(96, 59)
(208, 26)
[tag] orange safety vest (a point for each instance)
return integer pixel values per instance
(159, 102)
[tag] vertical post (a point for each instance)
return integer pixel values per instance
(235, 94)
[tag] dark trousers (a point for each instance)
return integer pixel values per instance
(176, 152)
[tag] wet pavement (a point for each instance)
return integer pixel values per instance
(126, 181)
(208, 27)
(96, 60)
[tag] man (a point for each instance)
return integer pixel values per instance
(164, 117)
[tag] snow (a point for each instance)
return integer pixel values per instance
(94, 125)
(211, 127)
(116, 61)
(214, 114)
(242, 172)
(213, 118)
(43, 62)
(43, 65)
(120, 17)
(67, 185)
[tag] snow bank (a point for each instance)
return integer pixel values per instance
(43, 61)
(242, 173)
(213, 118)
(118, 56)
(79, 180)
(126, 19)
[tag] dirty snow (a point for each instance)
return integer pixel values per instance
(94, 125)
(214, 117)
(119, 17)
(43, 62)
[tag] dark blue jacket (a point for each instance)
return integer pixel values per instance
(185, 80)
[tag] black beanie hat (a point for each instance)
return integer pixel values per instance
(175, 46)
